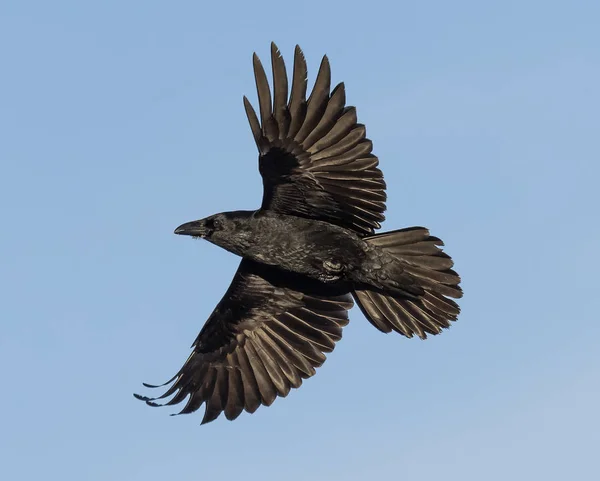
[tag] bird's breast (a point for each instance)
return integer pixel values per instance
(305, 247)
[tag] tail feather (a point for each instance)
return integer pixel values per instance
(422, 258)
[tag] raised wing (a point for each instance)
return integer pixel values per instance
(268, 333)
(314, 158)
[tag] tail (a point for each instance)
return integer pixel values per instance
(431, 269)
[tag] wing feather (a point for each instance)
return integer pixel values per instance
(317, 102)
(297, 105)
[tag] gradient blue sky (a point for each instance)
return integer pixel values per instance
(121, 120)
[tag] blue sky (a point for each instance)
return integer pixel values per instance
(121, 120)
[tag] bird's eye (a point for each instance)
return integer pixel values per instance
(209, 225)
(216, 224)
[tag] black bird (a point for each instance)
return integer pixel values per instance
(306, 252)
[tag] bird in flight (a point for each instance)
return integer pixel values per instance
(306, 253)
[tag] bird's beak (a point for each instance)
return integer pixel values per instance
(195, 228)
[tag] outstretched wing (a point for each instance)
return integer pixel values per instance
(270, 331)
(314, 158)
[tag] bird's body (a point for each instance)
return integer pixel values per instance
(320, 250)
(306, 253)
(298, 245)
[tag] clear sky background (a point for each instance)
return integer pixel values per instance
(121, 120)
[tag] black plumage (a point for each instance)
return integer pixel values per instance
(306, 252)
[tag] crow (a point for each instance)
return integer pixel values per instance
(308, 250)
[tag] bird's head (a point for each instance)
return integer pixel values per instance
(229, 230)
(206, 228)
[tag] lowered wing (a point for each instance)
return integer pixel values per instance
(269, 332)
